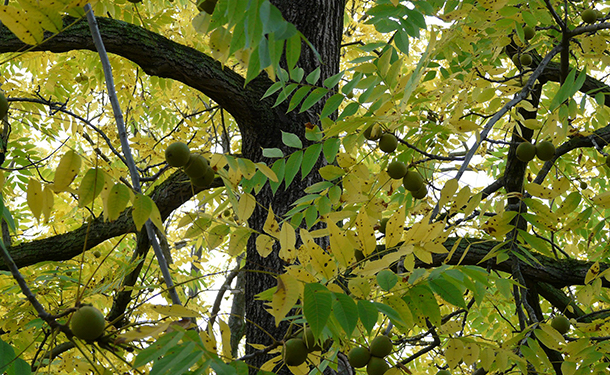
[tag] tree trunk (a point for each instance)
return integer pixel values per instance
(321, 22)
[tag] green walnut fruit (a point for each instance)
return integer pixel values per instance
(388, 143)
(310, 341)
(3, 106)
(561, 324)
(87, 323)
(359, 357)
(377, 366)
(295, 352)
(383, 223)
(526, 151)
(381, 346)
(197, 167)
(177, 154)
(397, 170)
(421, 193)
(589, 16)
(529, 32)
(545, 150)
(207, 6)
(583, 185)
(205, 180)
(443, 372)
(515, 59)
(372, 132)
(412, 181)
(525, 59)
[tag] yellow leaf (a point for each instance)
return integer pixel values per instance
(602, 200)
(340, 246)
(68, 168)
(471, 352)
(141, 332)
(271, 226)
(264, 245)
(117, 200)
(35, 197)
(550, 337)
(267, 172)
(175, 310)
(246, 206)
(359, 287)
(247, 167)
(592, 273)
(448, 192)
(321, 261)
(422, 254)
(238, 240)
(288, 240)
(27, 29)
(209, 340)
(48, 198)
(90, 187)
(454, 352)
(487, 356)
(47, 13)
(394, 228)
(285, 297)
(142, 209)
(366, 235)
(225, 335)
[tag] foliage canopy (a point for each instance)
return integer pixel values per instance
(286, 102)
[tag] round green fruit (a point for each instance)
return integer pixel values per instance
(443, 372)
(372, 132)
(207, 6)
(413, 181)
(295, 352)
(421, 193)
(529, 32)
(383, 224)
(97, 253)
(525, 59)
(561, 324)
(197, 167)
(589, 16)
(310, 341)
(526, 151)
(583, 185)
(87, 323)
(381, 346)
(205, 180)
(397, 170)
(177, 154)
(377, 366)
(359, 357)
(545, 150)
(388, 143)
(3, 106)
(515, 59)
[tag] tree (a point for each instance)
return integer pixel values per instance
(322, 235)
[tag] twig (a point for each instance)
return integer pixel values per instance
(133, 171)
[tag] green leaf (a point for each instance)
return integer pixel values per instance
(311, 216)
(174, 357)
(333, 81)
(273, 88)
(142, 208)
(297, 74)
(286, 91)
(279, 167)
(298, 97)
(331, 105)
(331, 149)
(349, 110)
(317, 303)
(273, 153)
(292, 166)
(331, 172)
(158, 348)
(312, 153)
(291, 140)
(448, 291)
(313, 98)
(117, 200)
(423, 299)
(313, 77)
(390, 313)
(346, 312)
(386, 279)
(293, 51)
(318, 186)
(368, 314)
